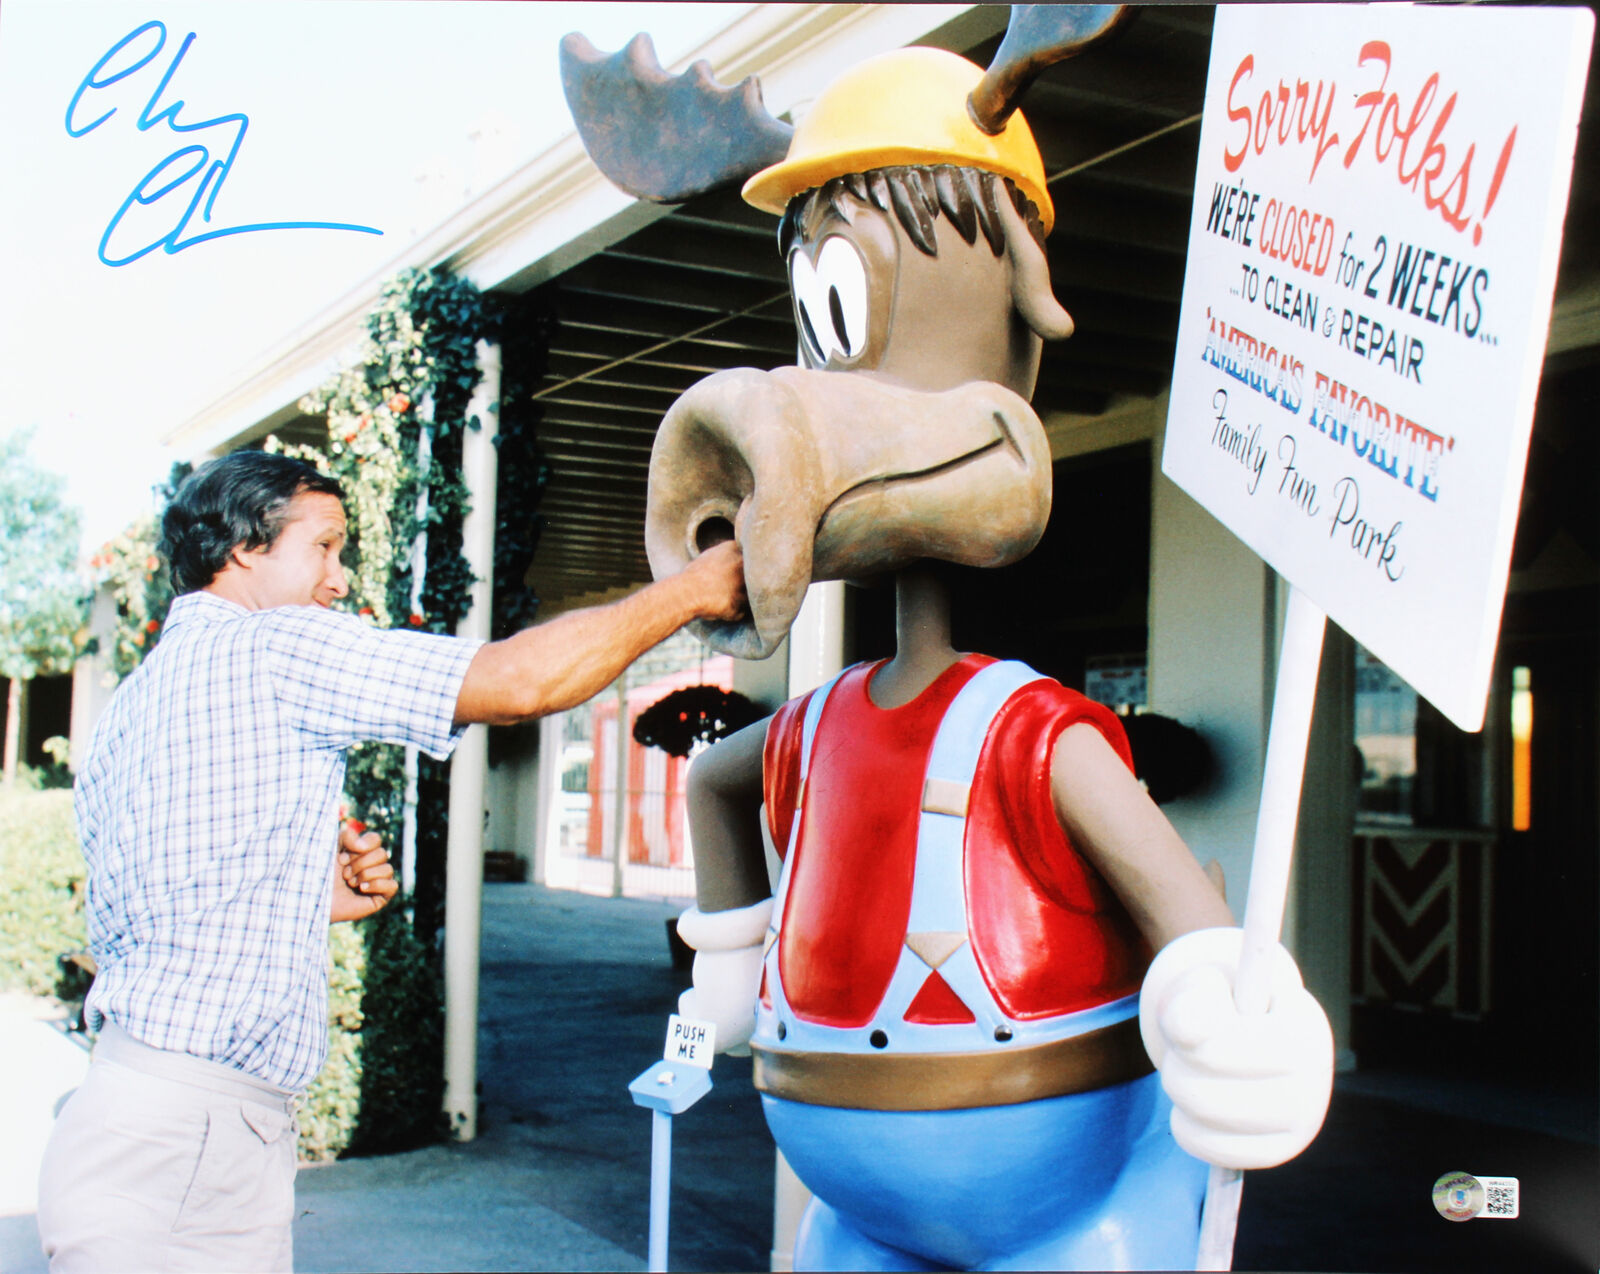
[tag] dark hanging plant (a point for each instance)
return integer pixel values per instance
(1173, 759)
(526, 326)
(676, 722)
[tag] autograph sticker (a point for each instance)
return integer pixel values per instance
(171, 183)
(1460, 1196)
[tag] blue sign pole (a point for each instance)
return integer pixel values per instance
(660, 1185)
(667, 1088)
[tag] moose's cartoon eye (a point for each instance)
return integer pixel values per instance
(831, 299)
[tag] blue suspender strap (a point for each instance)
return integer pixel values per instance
(937, 928)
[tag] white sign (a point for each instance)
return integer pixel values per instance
(1377, 219)
(1118, 681)
(690, 1041)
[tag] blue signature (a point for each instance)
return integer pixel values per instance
(178, 168)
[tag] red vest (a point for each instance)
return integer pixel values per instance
(1048, 935)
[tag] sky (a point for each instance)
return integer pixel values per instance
(384, 114)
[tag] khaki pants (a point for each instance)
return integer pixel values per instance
(164, 1162)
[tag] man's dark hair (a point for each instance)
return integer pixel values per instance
(239, 500)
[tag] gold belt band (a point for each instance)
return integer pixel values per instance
(955, 1081)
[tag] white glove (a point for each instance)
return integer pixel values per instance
(1247, 1091)
(729, 947)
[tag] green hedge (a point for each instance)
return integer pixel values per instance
(383, 1084)
(41, 889)
(402, 1041)
(382, 1089)
(328, 1114)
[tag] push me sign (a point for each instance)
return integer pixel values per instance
(690, 1041)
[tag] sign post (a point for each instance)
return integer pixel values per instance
(1379, 200)
(681, 1078)
(1287, 736)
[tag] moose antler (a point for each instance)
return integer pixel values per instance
(662, 137)
(1038, 35)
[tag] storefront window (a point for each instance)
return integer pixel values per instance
(635, 843)
(1417, 770)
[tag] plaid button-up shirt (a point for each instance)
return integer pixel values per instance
(208, 808)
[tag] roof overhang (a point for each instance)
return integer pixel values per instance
(557, 210)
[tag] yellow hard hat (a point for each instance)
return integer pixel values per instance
(907, 106)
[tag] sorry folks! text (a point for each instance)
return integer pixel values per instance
(1394, 124)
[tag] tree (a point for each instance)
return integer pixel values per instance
(43, 598)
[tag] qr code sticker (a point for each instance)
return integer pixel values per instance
(1502, 1198)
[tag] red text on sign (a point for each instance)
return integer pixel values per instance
(1420, 162)
(1408, 133)
(1280, 116)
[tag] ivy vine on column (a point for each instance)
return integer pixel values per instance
(395, 422)
(397, 419)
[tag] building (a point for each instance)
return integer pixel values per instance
(1446, 885)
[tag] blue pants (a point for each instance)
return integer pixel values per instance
(1090, 1181)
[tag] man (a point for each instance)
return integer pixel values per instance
(207, 809)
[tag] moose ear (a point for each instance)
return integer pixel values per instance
(661, 137)
(1030, 280)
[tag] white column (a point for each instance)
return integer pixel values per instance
(16, 726)
(92, 678)
(1213, 623)
(463, 914)
(619, 794)
(816, 639)
(816, 654)
(547, 832)
(419, 574)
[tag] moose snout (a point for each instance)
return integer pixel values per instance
(826, 475)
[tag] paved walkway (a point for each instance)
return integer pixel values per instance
(575, 993)
(39, 1067)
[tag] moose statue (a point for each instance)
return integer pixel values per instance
(956, 1021)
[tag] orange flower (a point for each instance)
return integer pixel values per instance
(399, 403)
(416, 621)
(152, 625)
(152, 563)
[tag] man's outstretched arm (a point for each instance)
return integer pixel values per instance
(558, 665)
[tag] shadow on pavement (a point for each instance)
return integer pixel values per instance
(574, 997)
